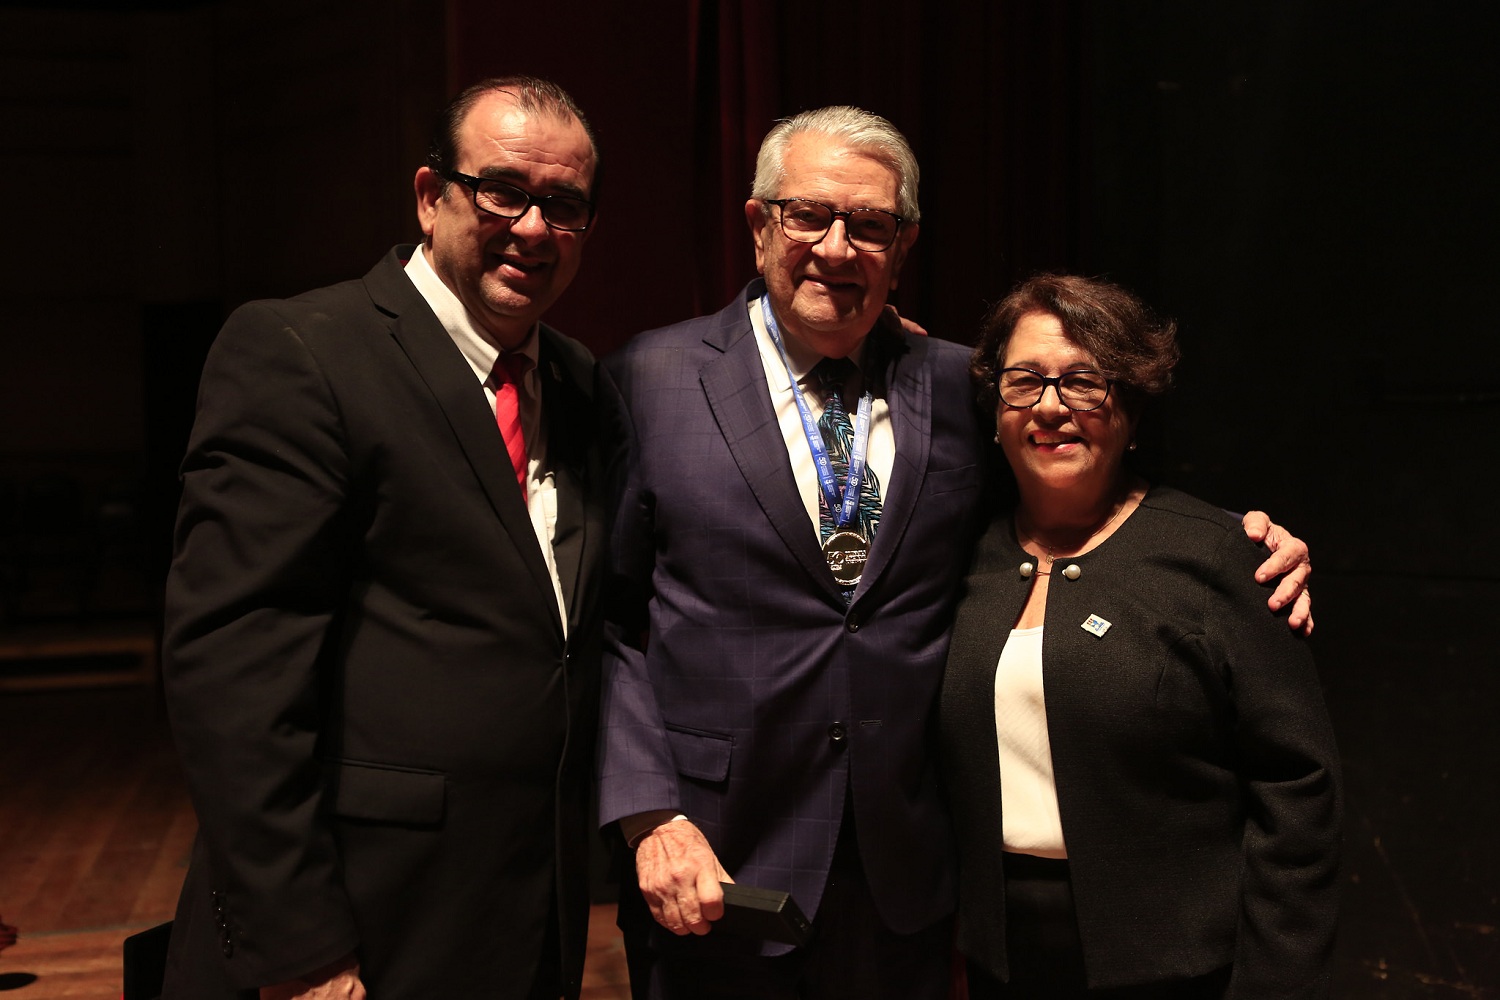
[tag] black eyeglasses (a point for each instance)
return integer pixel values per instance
(809, 221)
(559, 211)
(1081, 390)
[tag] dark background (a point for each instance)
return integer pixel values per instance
(1308, 187)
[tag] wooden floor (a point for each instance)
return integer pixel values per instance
(94, 825)
(95, 830)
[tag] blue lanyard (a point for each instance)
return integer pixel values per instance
(845, 510)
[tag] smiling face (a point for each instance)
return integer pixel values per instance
(1050, 447)
(506, 272)
(828, 295)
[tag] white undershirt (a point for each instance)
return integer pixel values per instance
(1028, 793)
(541, 487)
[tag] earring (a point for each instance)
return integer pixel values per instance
(997, 437)
(1131, 447)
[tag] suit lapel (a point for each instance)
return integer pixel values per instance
(909, 397)
(735, 385)
(449, 378)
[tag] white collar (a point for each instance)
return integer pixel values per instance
(801, 359)
(455, 317)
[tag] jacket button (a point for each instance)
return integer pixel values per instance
(837, 732)
(852, 624)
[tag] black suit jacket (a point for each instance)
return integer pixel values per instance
(386, 735)
(760, 700)
(1196, 771)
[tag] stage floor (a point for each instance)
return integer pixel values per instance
(95, 826)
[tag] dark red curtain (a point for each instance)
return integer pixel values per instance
(735, 93)
(990, 96)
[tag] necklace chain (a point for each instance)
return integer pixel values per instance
(1051, 550)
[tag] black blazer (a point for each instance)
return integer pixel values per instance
(386, 735)
(1196, 771)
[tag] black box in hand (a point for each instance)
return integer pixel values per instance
(767, 914)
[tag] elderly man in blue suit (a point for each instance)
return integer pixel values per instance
(804, 482)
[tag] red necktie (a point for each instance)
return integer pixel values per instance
(510, 369)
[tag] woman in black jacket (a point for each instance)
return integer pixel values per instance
(1141, 767)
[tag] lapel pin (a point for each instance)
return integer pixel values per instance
(1096, 625)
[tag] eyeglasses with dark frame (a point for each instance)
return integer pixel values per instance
(804, 221)
(1080, 391)
(559, 211)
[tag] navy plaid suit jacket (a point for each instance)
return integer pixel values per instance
(759, 700)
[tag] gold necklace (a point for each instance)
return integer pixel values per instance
(1051, 550)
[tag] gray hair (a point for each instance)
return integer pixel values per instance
(855, 128)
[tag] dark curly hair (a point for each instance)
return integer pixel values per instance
(1131, 346)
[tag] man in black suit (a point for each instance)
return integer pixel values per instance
(382, 634)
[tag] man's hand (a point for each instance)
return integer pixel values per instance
(335, 981)
(679, 876)
(1289, 556)
(909, 325)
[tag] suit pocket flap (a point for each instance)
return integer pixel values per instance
(387, 794)
(700, 755)
(965, 477)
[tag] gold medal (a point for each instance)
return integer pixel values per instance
(847, 552)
